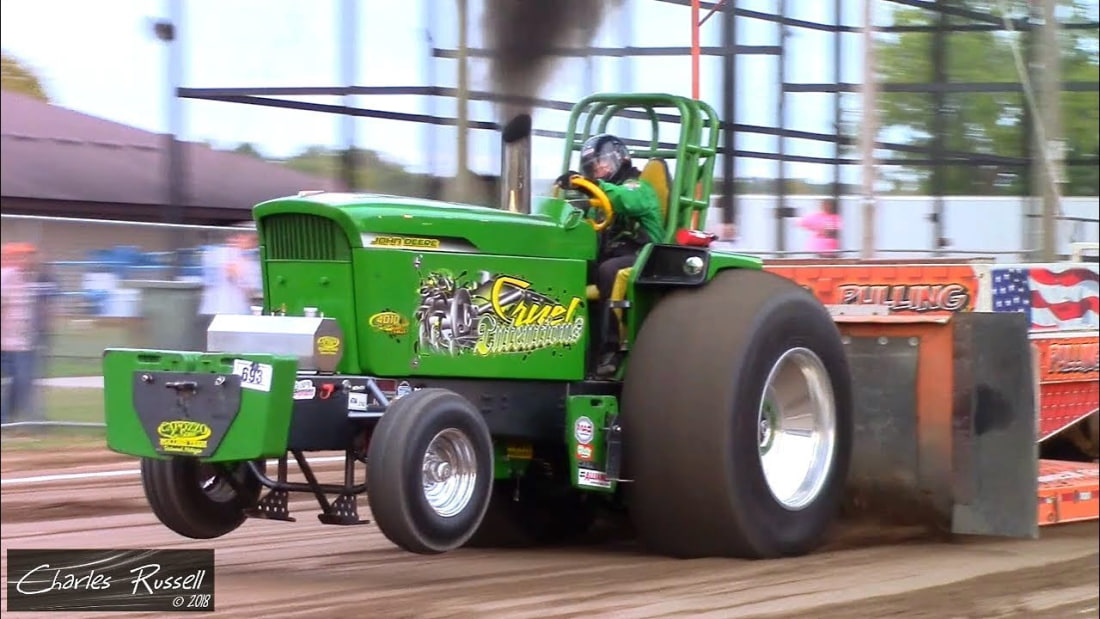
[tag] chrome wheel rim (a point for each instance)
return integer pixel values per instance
(213, 482)
(450, 472)
(796, 428)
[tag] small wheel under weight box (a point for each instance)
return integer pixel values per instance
(737, 420)
(430, 472)
(195, 499)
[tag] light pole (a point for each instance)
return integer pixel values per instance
(348, 17)
(870, 129)
(166, 30)
(461, 189)
(1048, 139)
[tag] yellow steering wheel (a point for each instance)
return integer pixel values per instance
(597, 199)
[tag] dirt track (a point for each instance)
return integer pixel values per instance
(305, 569)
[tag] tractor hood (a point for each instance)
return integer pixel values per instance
(553, 230)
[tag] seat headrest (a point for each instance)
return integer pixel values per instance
(657, 175)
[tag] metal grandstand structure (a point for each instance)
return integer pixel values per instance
(1031, 22)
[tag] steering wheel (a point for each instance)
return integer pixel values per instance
(597, 199)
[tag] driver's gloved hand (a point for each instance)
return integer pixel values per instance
(563, 180)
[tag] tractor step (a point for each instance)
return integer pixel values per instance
(343, 511)
(274, 505)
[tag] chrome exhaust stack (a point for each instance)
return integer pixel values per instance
(515, 165)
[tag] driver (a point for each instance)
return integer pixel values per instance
(606, 162)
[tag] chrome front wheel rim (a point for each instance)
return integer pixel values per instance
(449, 472)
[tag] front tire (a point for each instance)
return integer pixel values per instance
(430, 471)
(197, 500)
(737, 420)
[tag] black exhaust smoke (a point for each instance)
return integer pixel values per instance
(523, 34)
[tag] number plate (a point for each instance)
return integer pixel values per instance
(255, 376)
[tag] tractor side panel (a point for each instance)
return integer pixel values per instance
(431, 313)
(327, 286)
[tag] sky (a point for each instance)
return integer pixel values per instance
(101, 58)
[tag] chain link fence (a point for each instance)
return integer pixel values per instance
(106, 284)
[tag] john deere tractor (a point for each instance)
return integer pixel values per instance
(446, 349)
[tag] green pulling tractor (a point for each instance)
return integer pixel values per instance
(446, 349)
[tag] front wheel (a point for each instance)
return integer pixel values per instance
(737, 420)
(199, 500)
(430, 471)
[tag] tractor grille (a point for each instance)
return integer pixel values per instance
(293, 236)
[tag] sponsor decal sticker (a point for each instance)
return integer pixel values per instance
(390, 323)
(519, 452)
(328, 345)
(304, 390)
(183, 436)
(592, 479)
(403, 389)
(357, 401)
(584, 453)
(584, 430)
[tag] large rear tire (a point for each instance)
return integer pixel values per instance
(197, 500)
(430, 471)
(737, 420)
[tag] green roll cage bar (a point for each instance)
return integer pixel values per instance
(694, 152)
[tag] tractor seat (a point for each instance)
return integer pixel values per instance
(657, 175)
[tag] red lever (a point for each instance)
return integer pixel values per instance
(695, 238)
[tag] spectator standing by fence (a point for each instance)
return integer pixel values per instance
(824, 227)
(231, 278)
(17, 336)
(45, 291)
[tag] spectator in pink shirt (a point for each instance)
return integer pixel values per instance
(824, 227)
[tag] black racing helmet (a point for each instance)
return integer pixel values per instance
(605, 157)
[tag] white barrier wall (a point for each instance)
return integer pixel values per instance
(974, 225)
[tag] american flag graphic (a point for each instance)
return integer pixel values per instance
(1055, 296)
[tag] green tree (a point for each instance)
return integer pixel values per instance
(372, 172)
(17, 77)
(248, 149)
(983, 123)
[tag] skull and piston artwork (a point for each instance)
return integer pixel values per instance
(492, 314)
